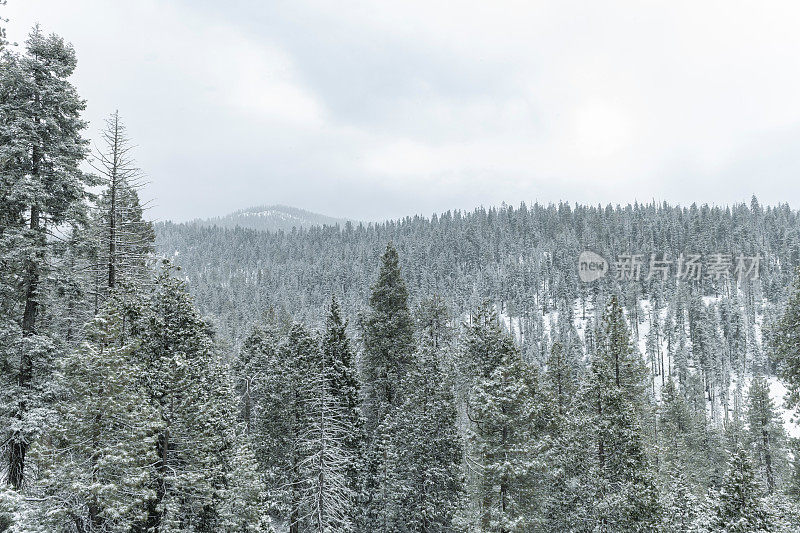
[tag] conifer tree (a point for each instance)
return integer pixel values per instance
(739, 506)
(43, 191)
(507, 419)
(121, 240)
(612, 397)
(387, 336)
(192, 394)
(681, 507)
(328, 499)
(766, 434)
(425, 449)
(344, 386)
(785, 339)
(95, 465)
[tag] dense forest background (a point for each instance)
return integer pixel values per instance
(437, 374)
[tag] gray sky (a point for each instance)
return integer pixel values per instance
(372, 110)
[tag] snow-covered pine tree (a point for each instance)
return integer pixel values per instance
(504, 442)
(565, 453)
(95, 465)
(739, 507)
(246, 504)
(425, 450)
(561, 378)
(43, 192)
(287, 413)
(613, 399)
(327, 498)
(387, 336)
(766, 434)
(344, 385)
(686, 443)
(190, 389)
(681, 507)
(785, 339)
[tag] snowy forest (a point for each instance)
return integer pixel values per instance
(450, 373)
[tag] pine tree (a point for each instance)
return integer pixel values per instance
(425, 449)
(387, 336)
(190, 389)
(95, 463)
(121, 240)
(765, 433)
(785, 340)
(793, 488)
(43, 191)
(246, 507)
(681, 506)
(561, 378)
(344, 386)
(328, 498)
(612, 397)
(739, 507)
(505, 409)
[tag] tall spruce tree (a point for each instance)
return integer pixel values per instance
(121, 240)
(326, 456)
(785, 340)
(425, 449)
(625, 496)
(344, 388)
(388, 337)
(504, 443)
(739, 506)
(43, 191)
(190, 389)
(766, 435)
(94, 466)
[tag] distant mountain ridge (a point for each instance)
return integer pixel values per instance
(272, 218)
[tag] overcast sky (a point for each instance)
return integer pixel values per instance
(371, 110)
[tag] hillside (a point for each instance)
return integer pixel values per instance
(271, 218)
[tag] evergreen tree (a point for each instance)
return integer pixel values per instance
(507, 420)
(680, 507)
(612, 398)
(766, 433)
(192, 394)
(387, 336)
(344, 387)
(326, 458)
(739, 507)
(425, 450)
(786, 343)
(121, 240)
(95, 464)
(43, 189)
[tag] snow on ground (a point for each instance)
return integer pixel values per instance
(777, 388)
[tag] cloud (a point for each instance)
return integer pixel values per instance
(389, 108)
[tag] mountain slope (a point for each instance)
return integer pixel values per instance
(272, 218)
